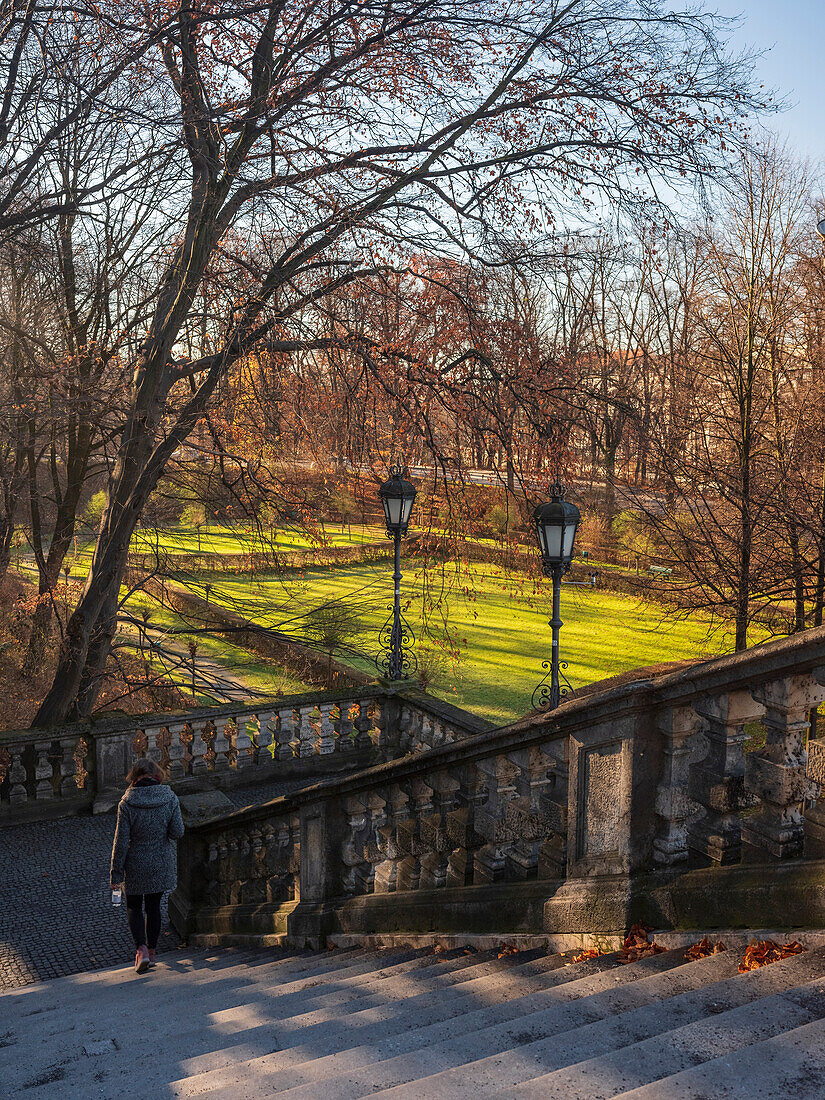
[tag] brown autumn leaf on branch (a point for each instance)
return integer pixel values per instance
(763, 952)
(636, 945)
(703, 949)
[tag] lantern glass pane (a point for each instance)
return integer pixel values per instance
(569, 537)
(392, 511)
(406, 509)
(552, 541)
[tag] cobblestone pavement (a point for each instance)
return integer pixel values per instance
(56, 915)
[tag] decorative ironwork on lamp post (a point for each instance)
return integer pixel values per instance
(397, 658)
(556, 524)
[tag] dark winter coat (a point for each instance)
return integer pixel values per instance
(145, 851)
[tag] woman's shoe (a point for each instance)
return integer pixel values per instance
(142, 960)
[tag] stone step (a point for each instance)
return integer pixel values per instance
(603, 1058)
(241, 1002)
(403, 1045)
(51, 1009)
(790, 1064)
(197, 971)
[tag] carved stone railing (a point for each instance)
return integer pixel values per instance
(579, 818)
(49, 773)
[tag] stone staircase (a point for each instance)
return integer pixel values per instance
(240, 1024)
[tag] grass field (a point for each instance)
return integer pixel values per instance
(501, 624)
(499, 620)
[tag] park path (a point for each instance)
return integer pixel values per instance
(56, 915)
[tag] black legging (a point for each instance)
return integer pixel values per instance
(145, 931)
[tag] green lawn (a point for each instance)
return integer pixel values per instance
(226, 540)
(501, 622)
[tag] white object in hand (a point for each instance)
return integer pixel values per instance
(117, 895)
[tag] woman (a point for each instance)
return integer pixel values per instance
(144, 854)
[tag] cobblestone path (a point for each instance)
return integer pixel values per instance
(56, 915)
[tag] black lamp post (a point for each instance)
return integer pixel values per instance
(397, 498)
(556, 525)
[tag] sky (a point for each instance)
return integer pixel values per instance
(791, 35)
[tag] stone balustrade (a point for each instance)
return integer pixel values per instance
(49, 773)
(590, 816)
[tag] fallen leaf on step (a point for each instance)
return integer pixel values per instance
(763, 952)
(439, 947)
(703, 949)
(637, 946)
(507, 949)
(331, 946)
(588, 953)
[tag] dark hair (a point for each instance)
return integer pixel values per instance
(145, 768)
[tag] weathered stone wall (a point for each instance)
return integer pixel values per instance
(589, 816)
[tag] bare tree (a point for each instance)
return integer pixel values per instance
(339, 140)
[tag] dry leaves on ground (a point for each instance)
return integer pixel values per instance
(703, 949)
(587, 953)
(636, 945)
(763, 952)
(439, 947)
(507, 949)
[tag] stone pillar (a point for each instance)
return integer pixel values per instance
(717, 782)
(674, 806)
(322, 826)
(776, 773)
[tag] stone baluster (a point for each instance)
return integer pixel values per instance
(407, 869)
(198, 749)
(394, 809)
(18, 795)
(681, 745)
(176, 750)
(68, 769)
(154, 747)
(326, 731)
(533, 819)
(344, 727)
(425, 740)
(221, 745)
(717, 782)
(358, 871)
(306, 731)
(363, 725)
(406, 724)
(265, 736)
(776, 772)
(244, 741)
(462, 838)
(433, 827)
(283, 733)
(5, 765)
(491, 821)
(43, 772)
(439, 733)
(382, 727)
